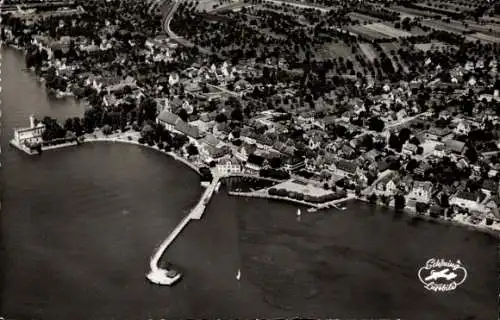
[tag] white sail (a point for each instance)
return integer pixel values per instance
(238, 275)
(299, 212)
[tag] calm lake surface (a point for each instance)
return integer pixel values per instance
(78, 226)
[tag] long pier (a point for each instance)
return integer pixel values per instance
(158, 275)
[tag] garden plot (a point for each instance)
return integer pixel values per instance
(369, 51)
(393, 46)
(413, 12)
(366, 33)
(449, 27)
(387, 30)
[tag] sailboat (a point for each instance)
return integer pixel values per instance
(238, 275)
(299, 212)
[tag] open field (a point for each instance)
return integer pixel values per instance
(206, 5)
(483, 38)
(368, 51)
(387, 30)
(335, 50)
(366, 33)
(393, 46)
(492, 29)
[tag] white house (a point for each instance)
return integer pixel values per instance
(421, 192)
(229, 165)
(314, 142)
(409, 148)
(463, 128)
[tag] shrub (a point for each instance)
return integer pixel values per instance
(142, 140)
(282, 193)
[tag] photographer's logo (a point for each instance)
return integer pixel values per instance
(442, 275)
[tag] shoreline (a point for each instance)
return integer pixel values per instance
(413, 214)
(88, 138)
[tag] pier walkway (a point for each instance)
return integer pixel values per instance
(158, 275)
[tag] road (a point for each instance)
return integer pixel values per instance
(300, 5)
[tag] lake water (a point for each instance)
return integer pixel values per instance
(78, 226)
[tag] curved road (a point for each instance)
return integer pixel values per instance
(168, 15)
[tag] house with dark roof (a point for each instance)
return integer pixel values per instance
(455, 146)
(211, 140)
(187, 129)
(345, 168)
(490, 187)
(167, 119)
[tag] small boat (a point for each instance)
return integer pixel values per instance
(299, 212)
(238, 275)
(312, 210)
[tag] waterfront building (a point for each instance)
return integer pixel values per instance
(229, 165)
(167, 119)
(421, 192)
(33, 134)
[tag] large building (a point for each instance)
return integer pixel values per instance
(33, 134)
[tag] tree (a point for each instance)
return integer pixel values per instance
(399, 202)
(192, 150)
(376, 124)
(220, 118)
(445, 200)
(367, 141)
(148, 107)
(183, 115)
(68, 124)
(471, 154)
(373, 198)
(394, 142)
(275, 162)
(412, 165)
(237, 115)
(415, 141)
(107, 129)
(404, 135)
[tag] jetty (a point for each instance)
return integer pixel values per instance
(160, 276)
